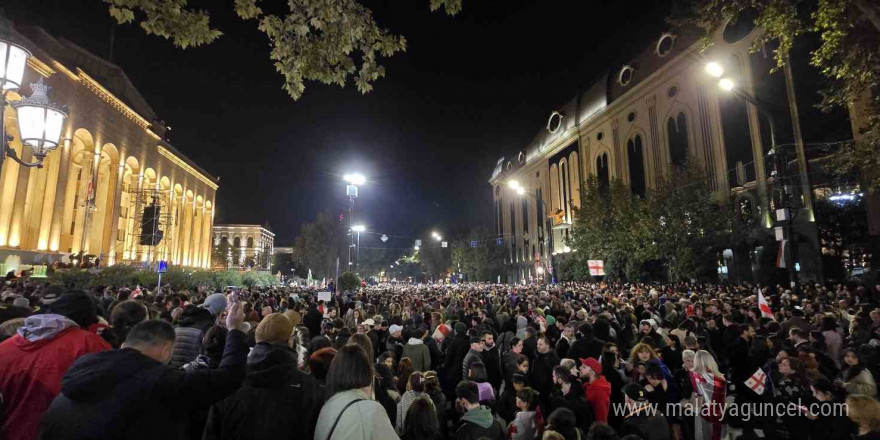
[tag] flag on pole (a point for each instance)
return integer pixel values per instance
(764, 307)
(756, 381)
(781, 260)
(597, 268)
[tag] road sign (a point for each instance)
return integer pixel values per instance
(418, 242)
(500, 241)
(384, 238)
(162, 267)
(443, 244)
(597, 268)
(474, 243)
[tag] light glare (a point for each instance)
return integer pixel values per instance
(726, 84)
(714, 69)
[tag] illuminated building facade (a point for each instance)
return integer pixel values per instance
(255, 243)
(640, 120)
(91, 193)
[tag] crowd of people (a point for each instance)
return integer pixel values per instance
(472, 361)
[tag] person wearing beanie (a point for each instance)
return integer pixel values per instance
(194, 321)
(395, 342)
(596, 388)
(52, 340)
(274, 389)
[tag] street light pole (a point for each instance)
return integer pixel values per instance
(780, 169)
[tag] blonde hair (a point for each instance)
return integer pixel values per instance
(864, 411)
(688, 354)
(705, 363)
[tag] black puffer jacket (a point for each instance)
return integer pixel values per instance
(276, 400)
(120, 394)
(193, 323)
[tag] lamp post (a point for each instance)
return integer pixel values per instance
(39, 120)
(780, 168)
(351, 190)
(521, 191)
(357, 255)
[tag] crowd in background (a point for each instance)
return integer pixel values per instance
(469, 361)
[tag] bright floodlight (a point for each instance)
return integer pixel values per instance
(726, 84)
(513, 184)
(416, 248)
(355, 179)
(434, 234)
(438, 238)
(358, 228)
(520, 190)
(714, 69)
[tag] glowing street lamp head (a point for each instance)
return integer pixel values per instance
(358, 228)
(416, 248)
(434, 234)
(513, 184)
(355, 179)
(520, 191)
(714, 69)
(726, 84)
(438, 238)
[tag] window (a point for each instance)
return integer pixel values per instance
(602, 172)
(665, 44)
(236, 242)
(555, 122)
(564, 188)
(631, 117)
(672, 91)
(599, 136)
(636, 165)
(626, 75)
(677, 133)
(250, 242)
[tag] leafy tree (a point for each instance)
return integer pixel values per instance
(220, 254)
(319, 244)
(849, 31)
(435, 259)
(482, 263)
(349, 282)
(331, 41)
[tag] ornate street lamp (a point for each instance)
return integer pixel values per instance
(39, 120)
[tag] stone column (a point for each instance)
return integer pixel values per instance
(60, 193)
(114, 214)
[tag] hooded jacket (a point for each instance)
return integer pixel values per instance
(32, 364)
(418, 352)
(455, 353)
(599, 396)
(126, 394)
(478, 423)
(275, 401)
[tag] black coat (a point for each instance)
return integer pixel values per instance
(654, 427)
(492, 360)
(125, 394)
(455, 353)
(586, 348)
(275, 401)
(541, 375)
(312, 320)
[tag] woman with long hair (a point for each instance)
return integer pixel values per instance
(351, 412)
(864, 411)
(709, 392)
(435, 392)
(421, 421)
(791, 388)
(415, 388)
(855, 377)
(404, 370)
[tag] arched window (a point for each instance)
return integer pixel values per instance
(636, 165)
(564, 187)
(236, 242)
(677, 130)
(602, 172)
(250, 242)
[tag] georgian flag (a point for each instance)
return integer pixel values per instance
(764, 307)
(756, 381)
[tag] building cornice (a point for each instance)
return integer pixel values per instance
(96, 87)
(168, 154)
(40, 67)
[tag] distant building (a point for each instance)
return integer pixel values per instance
(641, 120)
(283, 250)
(111, 171)
(255, 244)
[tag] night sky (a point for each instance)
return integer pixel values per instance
(469, 89)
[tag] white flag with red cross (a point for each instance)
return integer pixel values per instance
(765, 308)
(756, 381)
(597, 267)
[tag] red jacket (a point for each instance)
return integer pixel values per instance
(599, 395)
(30, 376)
